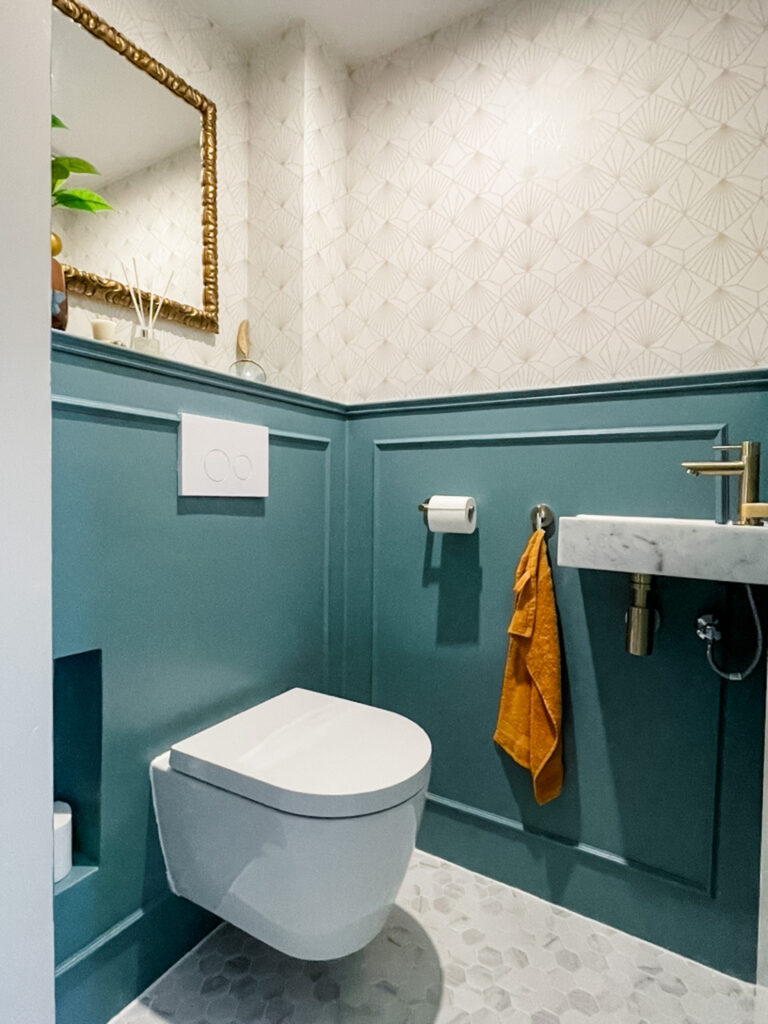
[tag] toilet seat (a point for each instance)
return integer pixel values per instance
(311, 754)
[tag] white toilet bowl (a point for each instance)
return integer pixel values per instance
(295, 820)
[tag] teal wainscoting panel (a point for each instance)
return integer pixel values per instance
(657, 828)
(199, 607)
(108, 974)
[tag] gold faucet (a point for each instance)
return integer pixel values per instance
(751, 511)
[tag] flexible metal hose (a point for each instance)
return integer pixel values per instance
(737, 677)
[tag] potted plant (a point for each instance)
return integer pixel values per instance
(74, 199)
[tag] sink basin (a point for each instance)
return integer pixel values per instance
(695, 548)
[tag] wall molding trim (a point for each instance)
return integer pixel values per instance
(717, 433)
(499, 821)
(98, 351)
(287, 438)
(70, 344)
(645, 388)
(671, 432)
(111, 409)
(110, 934)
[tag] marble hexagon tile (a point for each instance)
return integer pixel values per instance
(458, 948)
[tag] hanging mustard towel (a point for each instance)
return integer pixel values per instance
(530, 711)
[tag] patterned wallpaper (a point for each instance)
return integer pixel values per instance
(155, 217)
(558, 192)
(195, 49)
(326, 256)
(550, 192)
(276, 203)
(297, 198)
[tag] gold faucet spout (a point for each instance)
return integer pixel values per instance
(734, 468)
(746, 466)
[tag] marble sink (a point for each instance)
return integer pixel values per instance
(695, 548)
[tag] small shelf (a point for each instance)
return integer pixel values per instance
(82, 868)
(692, 548)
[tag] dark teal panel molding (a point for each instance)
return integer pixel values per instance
(673, 432)
(71, 344)
(98, 980)
(584, 849)
(716, 432)
(201, 607)
(663, 764)
(663, 387)
(108, 936)
(61, 403)
(698, 875)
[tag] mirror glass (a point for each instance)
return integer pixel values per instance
(145, 142)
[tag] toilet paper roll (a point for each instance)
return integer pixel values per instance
(451, 513)
(62, 840)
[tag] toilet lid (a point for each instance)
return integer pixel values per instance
(312, 754)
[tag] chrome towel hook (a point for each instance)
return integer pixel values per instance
(543, 518)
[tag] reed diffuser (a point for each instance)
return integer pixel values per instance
(143, 337)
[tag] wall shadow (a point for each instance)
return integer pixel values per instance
(248, 507)
(666, 719)
(459, 578)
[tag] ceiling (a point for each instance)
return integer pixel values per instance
(357, 30)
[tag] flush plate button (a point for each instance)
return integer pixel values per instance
(222, 458)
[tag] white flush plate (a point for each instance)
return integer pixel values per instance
(222, 458)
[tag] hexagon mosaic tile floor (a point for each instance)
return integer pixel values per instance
(458, 948)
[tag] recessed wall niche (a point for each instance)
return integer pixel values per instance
(77, 721)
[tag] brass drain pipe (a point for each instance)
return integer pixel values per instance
(641, 618)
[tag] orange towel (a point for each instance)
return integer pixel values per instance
(530, 712)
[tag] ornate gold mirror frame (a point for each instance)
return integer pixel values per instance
(81, 282)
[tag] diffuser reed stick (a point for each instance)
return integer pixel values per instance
(163, 297)
(146, 321)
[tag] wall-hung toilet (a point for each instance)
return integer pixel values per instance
(295, 820)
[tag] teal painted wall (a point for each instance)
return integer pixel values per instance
(657, 829)
(202, 607)
(198, 607)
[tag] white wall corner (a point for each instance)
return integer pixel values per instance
(26, 797)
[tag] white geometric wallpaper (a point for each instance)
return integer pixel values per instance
(276, 204)
(547, 193)
(155, 218)
(326, 254)
(555, 193)
(297, 199)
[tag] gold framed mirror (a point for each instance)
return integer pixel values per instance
(193, 244)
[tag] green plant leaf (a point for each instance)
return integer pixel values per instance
(59, 172)
(74, 165)
(63, 166)
(56, 122)
(80, 199)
